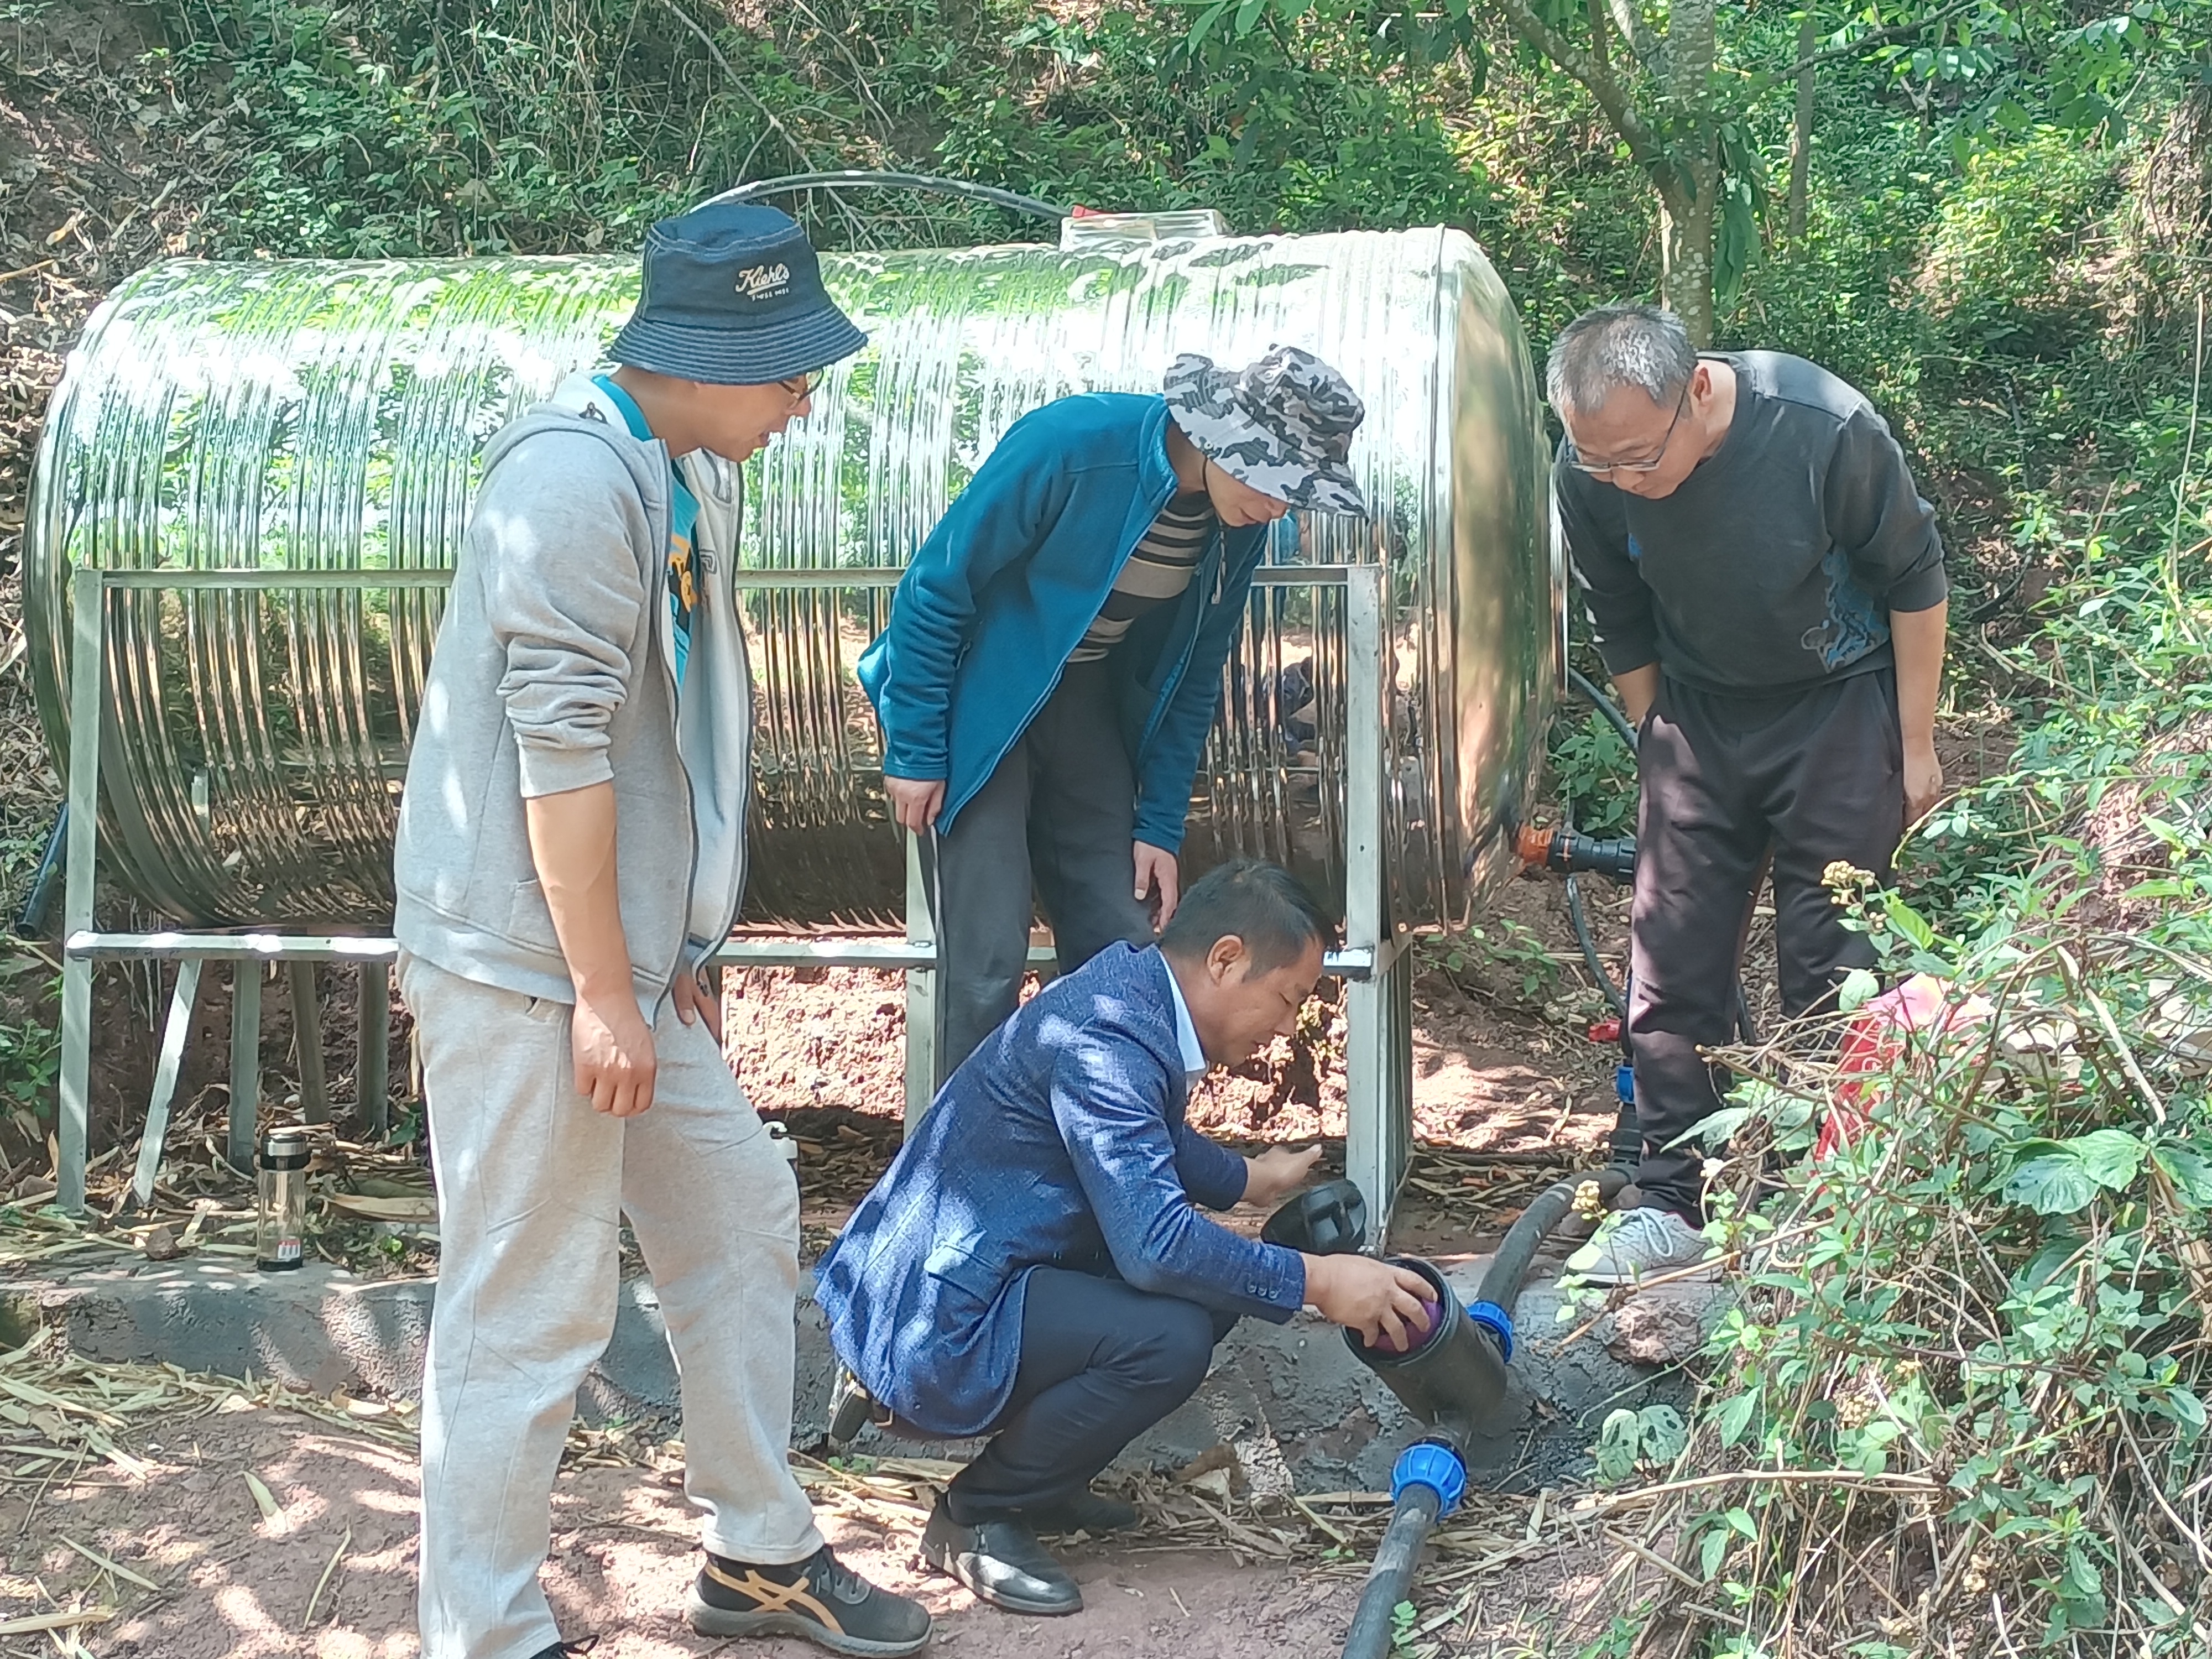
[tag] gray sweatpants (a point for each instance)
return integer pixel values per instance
(1059, 814)
(532, 1184)
(1813, 777)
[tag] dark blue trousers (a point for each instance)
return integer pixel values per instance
(1101, 1362)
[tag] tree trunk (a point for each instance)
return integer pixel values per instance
(1686, 232)
(1801, 131)
(1686, 201)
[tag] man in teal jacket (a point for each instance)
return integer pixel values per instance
(1053, 658)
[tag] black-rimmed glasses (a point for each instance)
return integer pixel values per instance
(1574, 457)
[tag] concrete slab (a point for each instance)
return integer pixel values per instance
(1298, 1410)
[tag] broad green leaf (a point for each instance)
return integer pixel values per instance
(1617, 1442)
(2188, 1169)
(1909, 922)
(1735, 1417)
(2055, 1184)
(1712, 1552)
(2110, 1157)
(1249, 15)
(2188, 1410)
(1859, 987)
(1663, 1433)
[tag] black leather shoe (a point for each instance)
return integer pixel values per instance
(1082, 1512)
(1002, 1562)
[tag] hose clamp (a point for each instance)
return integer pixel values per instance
(1499, 1323)
(1432, 1464)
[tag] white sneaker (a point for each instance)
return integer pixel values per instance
(1640, 1244)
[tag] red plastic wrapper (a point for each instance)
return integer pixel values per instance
(1923, 1007)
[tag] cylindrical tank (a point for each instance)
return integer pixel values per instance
(313, 415)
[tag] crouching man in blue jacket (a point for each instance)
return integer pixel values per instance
(1033, 1266)
(1054, 657)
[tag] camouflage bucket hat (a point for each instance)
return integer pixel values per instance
(1282, 426)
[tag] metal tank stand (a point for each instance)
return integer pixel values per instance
(1374, 960)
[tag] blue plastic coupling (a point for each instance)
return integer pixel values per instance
(1624, 1084)
(1432, 1464)
(1499, 1323)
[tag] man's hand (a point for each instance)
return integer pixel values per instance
(1156, 872)
(699, 997)
(613, 1048)
(1364, 1295)
(915, 802)
(1924, 780)
(1276, 1173)
(1639, 689)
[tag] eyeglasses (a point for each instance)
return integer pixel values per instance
(802, 387)
(1574, 459)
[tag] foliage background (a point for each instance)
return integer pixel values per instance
(2024, 305)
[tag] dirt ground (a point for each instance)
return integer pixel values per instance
(330, 1575)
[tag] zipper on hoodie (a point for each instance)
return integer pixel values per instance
(658, 601)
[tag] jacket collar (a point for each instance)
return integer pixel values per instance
(1193, 1054)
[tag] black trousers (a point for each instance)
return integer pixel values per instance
(1101, 1364)
(1058, 816)
(1811, 779)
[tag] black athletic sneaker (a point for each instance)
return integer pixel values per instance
(818, 1598)
(1002, 1562)
(1083, 1511)
(563, 1650)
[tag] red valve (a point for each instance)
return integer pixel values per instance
(1605, 1030)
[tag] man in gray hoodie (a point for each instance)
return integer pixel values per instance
(571, 849)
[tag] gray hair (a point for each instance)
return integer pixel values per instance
(1615, 346)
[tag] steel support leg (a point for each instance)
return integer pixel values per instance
(245, 1062)
(1378, 1105)
(371, 1069)
(88, 663)
(920, 994)
(166, 1070)
(307, 1043)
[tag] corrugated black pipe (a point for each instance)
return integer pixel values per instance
(1392, 1574)
(31, 921)
(1502, 1283)
(1415, 1513)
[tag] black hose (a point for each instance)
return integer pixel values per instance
(1615, 997)
(1392, 1574)
(31, 921)
(1605, 705)
(863, 180)
(1502, 1283)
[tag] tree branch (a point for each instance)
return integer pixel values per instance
(1850, 48)
(1645, 45)
(738, 83)
(1601, 58)
(1628, 120)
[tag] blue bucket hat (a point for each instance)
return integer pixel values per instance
(732, 296)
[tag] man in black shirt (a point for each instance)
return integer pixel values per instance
(1768, 592)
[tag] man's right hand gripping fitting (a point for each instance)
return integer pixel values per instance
(1362, 1294)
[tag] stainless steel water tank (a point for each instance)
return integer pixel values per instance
(292, 416)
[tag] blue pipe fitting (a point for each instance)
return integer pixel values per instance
(1499, 1323)
(1624, 1084)
(1432, 1464)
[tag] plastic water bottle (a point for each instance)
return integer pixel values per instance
(281, 1228)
